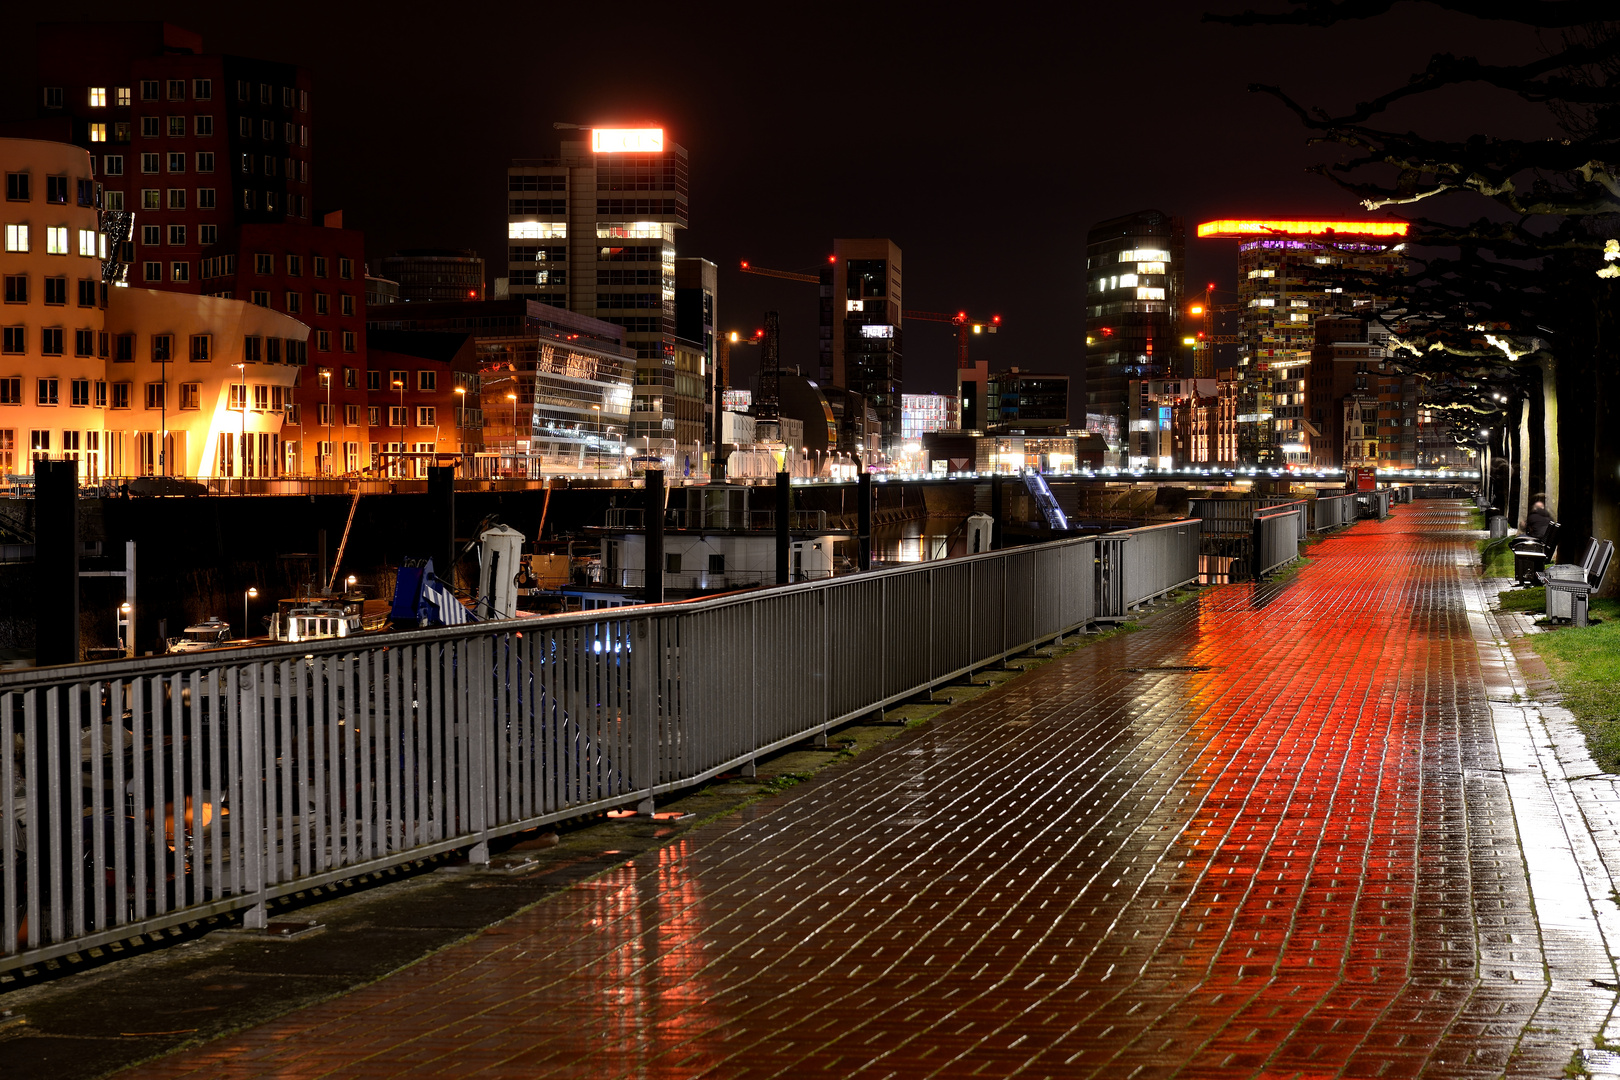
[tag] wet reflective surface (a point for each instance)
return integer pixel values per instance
(1280, 833)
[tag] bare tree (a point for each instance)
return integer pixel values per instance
(1512, 317)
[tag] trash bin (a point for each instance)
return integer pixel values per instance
(1567, 591)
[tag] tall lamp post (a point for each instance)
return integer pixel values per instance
(326, 377)
(513, 399)
(461, 421)
(241, 451)
(163, 424)
(399, 459)
(252, 592)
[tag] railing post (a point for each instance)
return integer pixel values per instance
(480, 662)
(644, 710)
(256, 917)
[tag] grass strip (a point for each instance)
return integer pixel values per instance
(1585, 662)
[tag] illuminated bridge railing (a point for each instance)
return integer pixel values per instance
(144, 794)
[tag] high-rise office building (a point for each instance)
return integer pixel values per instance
(1134, 275)
(1290, 273)
(697, 282)
(592, 230)
(861, 340)
(193, 144)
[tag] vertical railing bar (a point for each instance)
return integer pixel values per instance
(98, 807)
(73, 792)
(33, 810)
(142, 807)
(365, 796)
(9, 823)
(118, 812)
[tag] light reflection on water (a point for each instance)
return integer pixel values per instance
(922, 540)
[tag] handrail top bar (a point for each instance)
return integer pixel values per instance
(107, 670)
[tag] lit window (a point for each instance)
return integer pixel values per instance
(1299, 303)
(121, 96)
(1127, 281)
(628, 230)
(181, 271)
(56, 240)
(16, 238)
(1139, 254)
(87, 243)
(1150, 268)
(98, 132)
(1261, 274)
(1149, 294)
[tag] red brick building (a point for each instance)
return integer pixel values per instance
(417, 416)
(316, 274)
(194, 145)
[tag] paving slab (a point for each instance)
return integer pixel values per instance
(1298, 829)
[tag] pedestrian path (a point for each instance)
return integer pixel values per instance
(1279, 833)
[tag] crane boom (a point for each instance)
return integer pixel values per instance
(785, 275)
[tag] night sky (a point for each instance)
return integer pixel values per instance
(984, 140)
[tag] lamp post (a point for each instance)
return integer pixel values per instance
(241, 451)
(399, 384)
(461, 418)
(351, 582)
(125, 638)
(513, 399)
(326, 377)
(252, 592)
(163, 424)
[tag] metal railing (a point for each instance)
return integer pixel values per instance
(143, 794)
(1373, 504)
(1277, 534)
(1332, 511)
(634, 517)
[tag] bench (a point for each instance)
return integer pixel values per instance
(1530, 556)
(1570, 586)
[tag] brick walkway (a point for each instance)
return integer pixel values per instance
(1306, 858)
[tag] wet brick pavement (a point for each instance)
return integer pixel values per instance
(1312, 857)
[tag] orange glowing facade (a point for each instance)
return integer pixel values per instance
(1238, 229)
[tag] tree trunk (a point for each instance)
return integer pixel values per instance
(1515, 509)
(1552, 441)
(1606, 428)
(1535, 409)
(1576, 417)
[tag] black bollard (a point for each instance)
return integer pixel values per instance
(654, 515)
(56, 546)
(784, 511)
(863, 520)
(442, 512)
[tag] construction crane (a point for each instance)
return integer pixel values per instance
(1204, 344)
(972, 379)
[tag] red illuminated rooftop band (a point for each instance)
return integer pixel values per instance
(1233, 228)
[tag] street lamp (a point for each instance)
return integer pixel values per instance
(513, 399)
(241, 451)
(252, 592)
(326, 377)
(399, 384)
(126, 639)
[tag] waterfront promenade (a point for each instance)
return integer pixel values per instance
(1303, 829)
